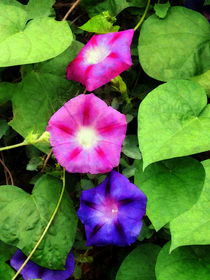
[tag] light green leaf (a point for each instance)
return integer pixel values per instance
(204, 81)
(193, 226)
(130, 147)
(40, 8)
(177, 47)
(24, 218)
(36, 40)
(171, 187)
(174, 121)
(139, 264)
(43, 90)
(161, 10)
(102, 23)
(187, 263)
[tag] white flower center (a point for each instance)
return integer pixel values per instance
(87, 137)
(96, 54)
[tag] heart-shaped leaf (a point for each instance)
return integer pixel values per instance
(174, 121)
(193, 226)
(43, 90)
(35, 39)
(139, 264)
(187, 263)
(24, 217)
(176, 47)
(171, 186)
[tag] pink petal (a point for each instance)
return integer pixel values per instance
(87, 135)
(102, 59)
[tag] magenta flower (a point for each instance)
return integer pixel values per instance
(87, 135)
(112, 211)
(34, 271)
(103, 58)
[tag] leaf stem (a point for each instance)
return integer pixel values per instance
(46, 229)
(143, 16)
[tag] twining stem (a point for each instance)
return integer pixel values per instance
(28, 141)
(143, 16)
(71, 9)
(13, 146)
(46, 229)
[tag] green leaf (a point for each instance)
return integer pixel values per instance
(130, 147)
(6, 92)
(139, 264)
(193, 226)
(171, 187)
(6, 272)
(48, 89)
(25, 35)
(204, 81)
(145, 232)
(34, 164)
(113, 6)
(177, 47)
(24, 218)
(174, 121)
(185, 263)
(3, 127)
(102, 23)
(161, 10)
(40, 8)
(6, 251)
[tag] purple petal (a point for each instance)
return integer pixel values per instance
(34, 271)
(112, 211)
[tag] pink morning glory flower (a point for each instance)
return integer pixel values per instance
(112, 211)
(34, 271)
(87, 135)
(102, 59)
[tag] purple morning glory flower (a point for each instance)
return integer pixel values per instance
(198, 5)
(34, 271)
(112, 211)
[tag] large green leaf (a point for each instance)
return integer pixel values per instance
(24, 218)
(6, 272)
(174, 121)
(43, 90)
(139, 264)
(204, 81)
(171, 186)
(193, 226)
(35, 40)
(187, 263)
(177, 47)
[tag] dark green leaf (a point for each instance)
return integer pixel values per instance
(171, 187)
(43, 90)
(24, 218)
(3, 127)
(139, 264)
(130, 147)
(187, 263)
